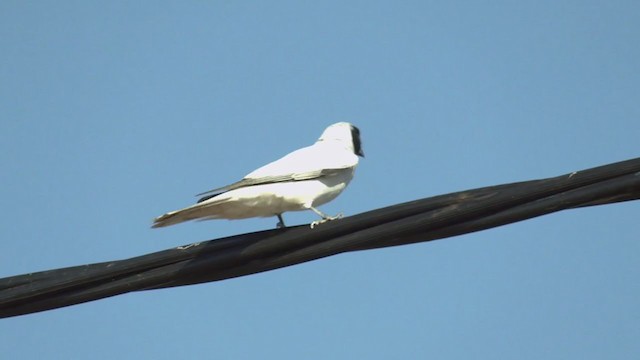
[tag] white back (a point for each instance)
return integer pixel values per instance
(333, 150)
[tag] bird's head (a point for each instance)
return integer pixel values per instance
(346, 133)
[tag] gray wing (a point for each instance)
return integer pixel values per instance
(308, 163)
(267, 180)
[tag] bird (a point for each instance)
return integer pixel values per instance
(301, 180)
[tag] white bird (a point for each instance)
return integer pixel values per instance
(301, 180)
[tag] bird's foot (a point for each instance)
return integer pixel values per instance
(185, 247)
(326, 219)
(280, 223)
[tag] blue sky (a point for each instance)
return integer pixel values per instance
(115, 112)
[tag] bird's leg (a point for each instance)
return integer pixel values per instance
(280, 223)
(324, 216)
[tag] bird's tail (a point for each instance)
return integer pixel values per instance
(178, 216)
(170, 218)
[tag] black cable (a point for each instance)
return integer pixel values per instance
(416, 221)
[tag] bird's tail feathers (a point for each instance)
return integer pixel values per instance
(170, 218)
(178, 216)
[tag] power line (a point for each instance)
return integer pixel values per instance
(416, 221)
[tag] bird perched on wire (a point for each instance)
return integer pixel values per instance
(301, 180)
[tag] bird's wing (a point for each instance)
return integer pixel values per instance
(304, 164)
(271, 179)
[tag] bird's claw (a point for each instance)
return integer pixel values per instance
(326, 219)
(185, 247)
